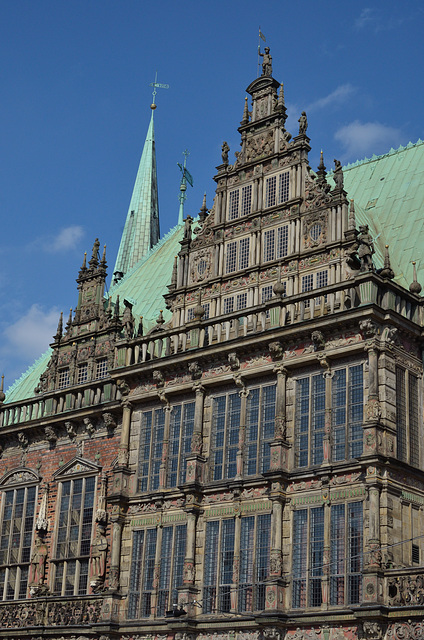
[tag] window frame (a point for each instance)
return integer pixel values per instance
(277, 189)
(275, 243)
(408, 416)
(80, 561)
(239, 202)
(237, 255)
(27, 533)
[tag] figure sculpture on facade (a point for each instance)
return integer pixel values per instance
(338, 174)
(128, 320)
(303, 123)
(98, 559)
(37, 567)
(225, 150)
(187, 228)
(366, 248)
(266, 62)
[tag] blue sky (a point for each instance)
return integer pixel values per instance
(75, 110)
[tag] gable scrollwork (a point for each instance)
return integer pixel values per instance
(76, 467)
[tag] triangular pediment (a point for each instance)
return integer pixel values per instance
(19, 476)
(76, 466)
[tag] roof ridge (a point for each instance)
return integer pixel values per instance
(146, 256)
(27, 372)
(374, 157)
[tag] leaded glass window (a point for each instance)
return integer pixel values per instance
(63, 378)
(246, 200)
(101, 368)
(220, 559)
(407, 417)
(74, 531)
(275, 243)
(240, 202)
(170, 574)
(233, 205)
(180, 433)
(308, 553)
(260, 427)
(310, 420)
(237, 255)
(150, 452)
(17, 526)
(82, 373)
(225, 430)
(270, 191)
(277, 191)
(347, 412)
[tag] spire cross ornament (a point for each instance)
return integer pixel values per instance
(156, 85)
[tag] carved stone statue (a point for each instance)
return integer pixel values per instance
(266, 62)
(38, 563)
(303, 123)
(98, 559)
(366, 248)
(187, 228)
(128, 320)
(338, 174)
(225, 150)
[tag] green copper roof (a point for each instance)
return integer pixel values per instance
(141, 231)
(146, 283)
(388, 192)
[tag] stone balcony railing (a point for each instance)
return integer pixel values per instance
(366, 289)
(58, 402)
(405, 587)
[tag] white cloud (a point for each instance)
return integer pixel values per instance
(335, 98)
(31, 334)
(364, 139)
(366, 16)
(66, 239)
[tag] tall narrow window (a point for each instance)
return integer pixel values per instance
(226, 424)
(354, 552)
(244, 253)
(346, 554)
(171, 567)
(237, 255)
(347, 412)
(246, 200)
(407, 417)
(74, 533)
(63, 378)
(310, 411)
(150, 452)
(101, 368)
(17, 526)
(180, 433)
(270, 191)
(283, 187)
(260, 426)
(82, 373)
(233, 205)
(308, 553)
(219, 576)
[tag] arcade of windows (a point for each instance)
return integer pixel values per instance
(64, 376)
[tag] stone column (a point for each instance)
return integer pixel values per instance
(195, 461)
(326, 556)
(156, 572)
(187, 593)
(242, 432)
(372, 556)
(117, 521)
(236, 561)
(372, 407)
(328, 406)
(275, 586)
(279, 446)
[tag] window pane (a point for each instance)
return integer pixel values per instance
(233, 205)
(270, 189)
(246, 200)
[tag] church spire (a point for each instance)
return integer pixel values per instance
(141, 231)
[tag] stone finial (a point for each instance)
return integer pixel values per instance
(321, 173)
(387, 271)
(280, 103)
(174, 273)
(203, 209)
(279, 288)
(352, 218)
(160, 319)
(103, 260)
(84, 263)
(415, 286)
(59, 332)
(69, 322)
(2, 394)
(116, 314)
(198, 310)
(245, 119)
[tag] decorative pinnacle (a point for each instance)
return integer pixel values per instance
(203, 209)
(279, 289)
(174, 272)
(84, 262)
(160, 319)
(387, 271)
(245, 119)
(321, 168)
(140, 327)
(198, 310)
(116, 314)
(69, 323)
(2, 394)
(59, 331)
(415, 286)
(280, 103)
(352, 219)
(103, 261)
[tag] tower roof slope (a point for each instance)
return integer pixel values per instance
(141, 230)
(388, 191)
